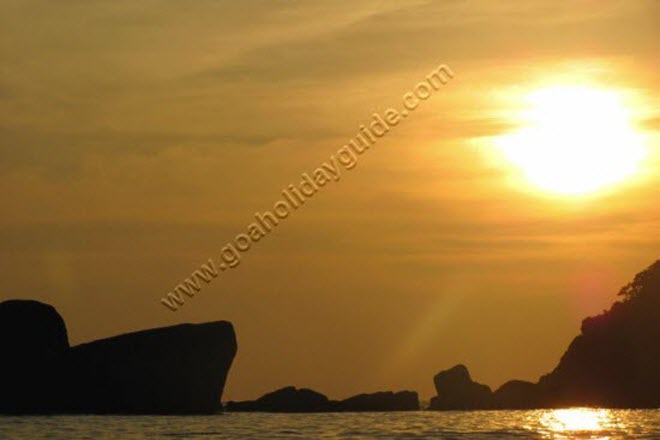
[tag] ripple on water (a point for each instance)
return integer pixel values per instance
(581, 423)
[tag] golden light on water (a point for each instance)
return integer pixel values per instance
(579, 423)
(577, 419)
(574, 140)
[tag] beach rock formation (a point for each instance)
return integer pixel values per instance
(287, 399)
(457, 391)
(172, 370)
(381, 401)
(33, 352)
(303, 400)
(517, 394)
(613, 363)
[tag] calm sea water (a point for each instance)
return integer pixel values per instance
(556, 424)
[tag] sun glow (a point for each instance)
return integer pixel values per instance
(574, 140)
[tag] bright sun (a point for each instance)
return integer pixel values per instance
(574, 140)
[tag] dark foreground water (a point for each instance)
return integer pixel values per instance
(556, 424)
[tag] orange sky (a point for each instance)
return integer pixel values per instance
(138, 138)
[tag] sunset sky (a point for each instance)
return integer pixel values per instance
(137, 138)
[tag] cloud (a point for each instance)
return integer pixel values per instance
(60, 154)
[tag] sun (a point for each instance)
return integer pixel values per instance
(574, 140)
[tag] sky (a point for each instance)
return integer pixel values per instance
(137, 138)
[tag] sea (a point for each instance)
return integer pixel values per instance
(575, 423)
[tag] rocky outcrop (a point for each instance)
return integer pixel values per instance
(294, 400)
(288, 399)
(172, 370)
(614, 363)
(457, 391)
(33, 354)
(180, 369)
(517, 394)
(382, 401)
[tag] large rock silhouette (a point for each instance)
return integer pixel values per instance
(171, 370)
(614, 362)
(33, 357)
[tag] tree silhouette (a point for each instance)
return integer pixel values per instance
(644, 284)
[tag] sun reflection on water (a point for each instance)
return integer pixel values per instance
(578, 422)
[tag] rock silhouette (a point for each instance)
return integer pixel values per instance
(457, 391)
(613, 363)
(294, 400)
(171, 370)
(381, 401)
(287, 399)
(517, 394)
(34, 346)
